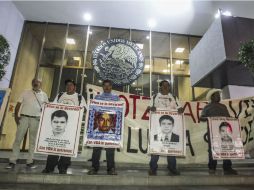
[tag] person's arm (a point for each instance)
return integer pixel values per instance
(180, 109)
(203, 116)
(152, 105)
(226, 111)
(16, 113)
(46, 99)
(83, 103)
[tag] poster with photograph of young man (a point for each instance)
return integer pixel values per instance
(225, 134)
(105, 124)
(59, 130)
(167, 134)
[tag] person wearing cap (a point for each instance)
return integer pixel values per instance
(215, 109)
(29, 106)
(166, 101)
(70, 97)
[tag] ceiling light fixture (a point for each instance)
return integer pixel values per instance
(179, 50)
(70, 41)
(179, 62)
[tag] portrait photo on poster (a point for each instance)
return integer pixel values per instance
(58, 128)
(167, 134)
(105, 121)
(226, 132)
(166, 125)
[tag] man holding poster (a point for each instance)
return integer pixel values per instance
(216, 109)
(164, 100)
(59, 120)
(104, 123)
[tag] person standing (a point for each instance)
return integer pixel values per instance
(110, 152)
(166, 101)
(215, 109)
(70, 97)
(29, 106)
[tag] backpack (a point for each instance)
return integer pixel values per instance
(79, 97)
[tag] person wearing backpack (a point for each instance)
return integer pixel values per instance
(166, 101)
(70, 97)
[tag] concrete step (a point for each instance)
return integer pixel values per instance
(131, 177)
(92, 187)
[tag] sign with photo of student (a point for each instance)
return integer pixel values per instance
(226, 141)
(59, 130)
(105, 124)
(167, 134)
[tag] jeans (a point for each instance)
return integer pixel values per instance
(62, 162)
(154, 160)
(110, 156)
(227, 164)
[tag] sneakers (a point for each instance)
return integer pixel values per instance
(92, 172)
(10, 166)
(173, 172)
(212, 171)
(31, 166)
(112, 172)
(152, 173)
(230, 171)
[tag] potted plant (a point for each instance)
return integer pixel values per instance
(5, 55)
(246, 55)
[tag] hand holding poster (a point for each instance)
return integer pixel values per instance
(225, 137)
(105, 124)
(167, 134)
(59, 130)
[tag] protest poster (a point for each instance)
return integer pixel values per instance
(226, 141)
(59, 130)
(4, 95)
(167, 133)
(104, 124)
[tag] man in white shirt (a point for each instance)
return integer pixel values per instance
(70, 97)
(164, 100)
(29, 105)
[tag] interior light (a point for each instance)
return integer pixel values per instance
(147, 66)
(179, 50)
(179, 62)
(70, 41)
(76, 58)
